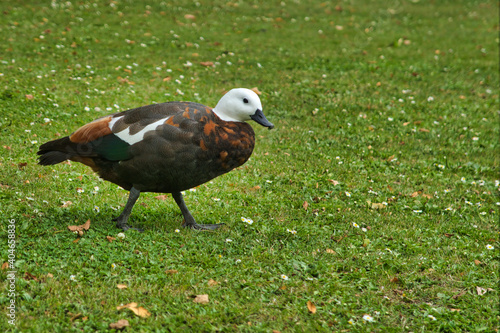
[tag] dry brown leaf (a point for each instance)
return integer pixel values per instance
(207, 63)
(481, 291)
(110, 239)
(256, 90)
(29, 96)
(390, 158)
(85, 226)
(455, 310)
(189, 17)
(119, 325)
(202, 299)
(414, 194)
(311, 307)
(394, 279)
(161, 197)
(28, 276)
(171, 271)
(406, 124)
(121, 286)
(66, 204)
(428, 196)
(5, 265)
(49, 275)
(139, 311)
(330, 251)
(212, 283)
(334, 182)
(305, 205)
(425, 130)
(477, 262)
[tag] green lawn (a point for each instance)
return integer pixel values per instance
(375, 198)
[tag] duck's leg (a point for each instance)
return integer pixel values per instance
(189, 221)
(121, 221)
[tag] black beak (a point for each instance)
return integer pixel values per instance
(261, 119)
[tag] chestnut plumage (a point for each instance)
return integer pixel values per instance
(167, 148)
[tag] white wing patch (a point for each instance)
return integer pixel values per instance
(134, 138)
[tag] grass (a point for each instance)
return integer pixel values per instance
(384, 161)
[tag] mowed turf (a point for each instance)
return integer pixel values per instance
(371, 207)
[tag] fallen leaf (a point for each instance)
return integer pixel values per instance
(428, 196)
(22, 165)
(311, 307)
(212, 283)
(477, 262)
(202, 299)
(390, 158)
(255, 188)
(207, 63)
(189, 17)
(171, 271)
(139, 311)
(49, 275)
(121, 286)
(29, 96)
(481, 291)
(305, 205)
(161, 197)
(5, 265)
(330, 251)
(414, 194)
(256, 90)
(85, 226)
(423, 130)
(66, 204)
(28, 276)
(394, 279)
(119, 325)
(334, 182)
(110, 239)
(406, 124)
(455, 310)
(448, 235)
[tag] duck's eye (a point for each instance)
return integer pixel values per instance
(245, 100)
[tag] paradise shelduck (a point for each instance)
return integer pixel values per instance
(167, 147)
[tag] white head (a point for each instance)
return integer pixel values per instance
(241, 104)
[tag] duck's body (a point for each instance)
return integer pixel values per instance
(167, 148)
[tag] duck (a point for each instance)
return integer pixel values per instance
(165, 148)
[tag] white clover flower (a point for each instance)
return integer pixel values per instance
(72, 277)
(368, 318)
(490, 247)
(355, 225)
(244, 219)
(348, 194)
(96, 209)
(177, 230)
(293, 232)
(284, 277)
